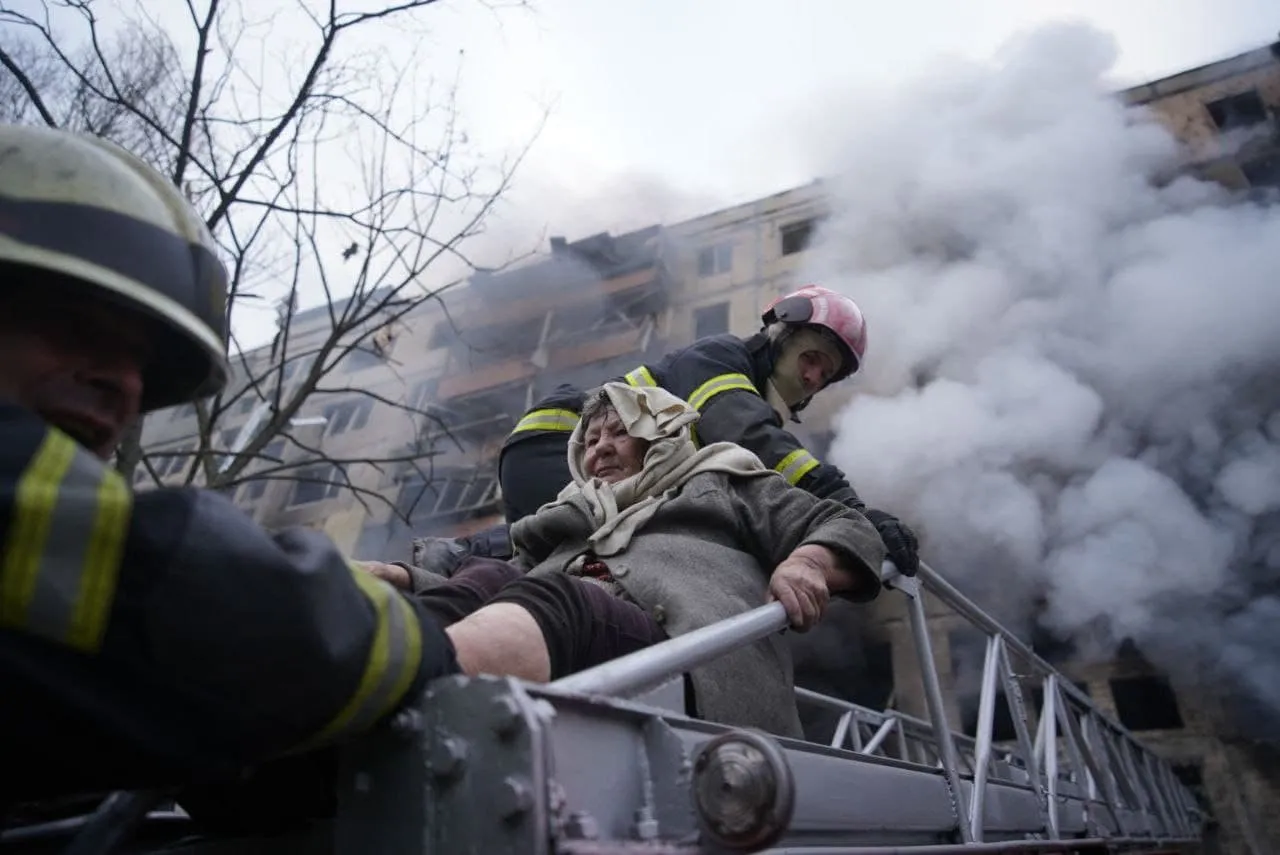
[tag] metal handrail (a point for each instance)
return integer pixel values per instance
(638, 672)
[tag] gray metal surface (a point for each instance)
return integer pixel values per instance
(506, 767)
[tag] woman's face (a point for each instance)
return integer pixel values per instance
(611, 454)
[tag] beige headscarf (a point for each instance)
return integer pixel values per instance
(654, 414)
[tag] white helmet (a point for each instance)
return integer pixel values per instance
(98, 217)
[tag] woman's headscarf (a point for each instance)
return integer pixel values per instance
(654, 414)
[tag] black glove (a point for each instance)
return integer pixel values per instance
(899, 540)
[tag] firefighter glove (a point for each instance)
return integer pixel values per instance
(899, 540)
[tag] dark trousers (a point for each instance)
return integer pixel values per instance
(582, 624)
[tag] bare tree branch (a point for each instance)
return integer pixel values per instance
(28, 86)
(324, 169)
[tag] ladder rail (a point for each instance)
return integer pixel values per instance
(513, 768)
(1066, 752)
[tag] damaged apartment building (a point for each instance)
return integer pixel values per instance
(401, 436)
(1227, 114)
(588, 311)
(466, 367)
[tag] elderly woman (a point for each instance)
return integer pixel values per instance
(656, 537)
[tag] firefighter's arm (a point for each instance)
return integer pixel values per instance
(719, 387)
(556, 413)
(196, 618)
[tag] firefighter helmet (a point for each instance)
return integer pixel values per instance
(99, 217)
(834, 314)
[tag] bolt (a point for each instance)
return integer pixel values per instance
(581, 825)
(447, 757)
(506, 715)
(407, 722)
(514, 798)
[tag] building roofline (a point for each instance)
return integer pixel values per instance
(764, 201)
(1202, 75)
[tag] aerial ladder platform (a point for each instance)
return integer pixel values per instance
(605, 762)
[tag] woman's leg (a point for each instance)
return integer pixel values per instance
(472, 585)
(543, 628)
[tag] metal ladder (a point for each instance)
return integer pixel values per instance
(605, 763)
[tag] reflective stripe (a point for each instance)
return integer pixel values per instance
(640, 377)
(716, 385)
(393, 660)
(62, 557)
(796, 465)
(565, 420)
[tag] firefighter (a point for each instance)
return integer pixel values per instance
(160, 637)
(745, 391)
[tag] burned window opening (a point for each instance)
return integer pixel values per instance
(1146, 703)
(1239, 111)
(796, 237)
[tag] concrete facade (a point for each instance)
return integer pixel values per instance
(1227, 113)
(597, 307)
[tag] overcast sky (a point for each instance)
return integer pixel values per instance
(660, 110)
(702, 94)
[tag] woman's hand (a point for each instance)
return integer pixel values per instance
(396, 575)
(800, 584)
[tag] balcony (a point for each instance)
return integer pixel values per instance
(596, 345)
(510, 370)
(536, 307)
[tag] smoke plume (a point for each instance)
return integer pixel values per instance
(1073, 382)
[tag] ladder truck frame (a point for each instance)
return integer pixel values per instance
(605, 762)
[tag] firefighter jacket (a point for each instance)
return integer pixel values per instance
(722, 378)
(164, 635)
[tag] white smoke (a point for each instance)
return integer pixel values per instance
(1073, 382)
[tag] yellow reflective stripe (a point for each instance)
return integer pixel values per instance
(106, 551)
(716, 385)
(394, 657)
(796, 465)
(640, 377)
(548, 420)
(62, 557)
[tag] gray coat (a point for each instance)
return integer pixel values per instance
(706, 555)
